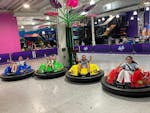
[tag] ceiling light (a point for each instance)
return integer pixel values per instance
(22, 27)
(43, 33)
(132, 18)
(103, 19)
(99, 20)
(108, 6)
(92, 2)
(138, 19)
(26, 6)
(147, 8)
(84, 13)
(33, 23)
(135, 13)
(95, 23)
(47, 18)
(117, 16)
(146, 3)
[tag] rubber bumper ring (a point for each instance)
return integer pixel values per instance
(132, 92)
(50, 75)
(17, 77)
(85, 79)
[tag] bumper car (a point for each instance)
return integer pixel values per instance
(139, 86)
(21, 73)
(95, 74)
(48, 73)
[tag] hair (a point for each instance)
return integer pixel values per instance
(131, 59)
(83, 55)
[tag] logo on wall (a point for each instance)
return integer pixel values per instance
(121, 48)
(85, 48)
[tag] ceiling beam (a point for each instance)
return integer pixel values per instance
(20, 7)
(29, 14)
(122, 10)
(4, 10)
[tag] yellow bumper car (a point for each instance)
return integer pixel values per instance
(95, 74)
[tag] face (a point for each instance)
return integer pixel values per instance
(54, 57)
(20, 58)
(50, 58)
(83, 57)
(129, 60)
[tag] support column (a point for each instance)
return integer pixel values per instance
(62, 48)
(93, 31)
(61, 38)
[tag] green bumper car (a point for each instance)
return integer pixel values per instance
(45, 72)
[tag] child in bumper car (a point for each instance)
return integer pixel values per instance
(127, 74)
(127, 70)
(22, 65)
(84, 63)
(17, 67)
(50, 63)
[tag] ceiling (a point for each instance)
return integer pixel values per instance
(37, 9)
(116, 6)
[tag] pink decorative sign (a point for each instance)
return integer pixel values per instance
(72, 3)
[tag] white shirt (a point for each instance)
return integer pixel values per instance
(130, 67)
(21, 63)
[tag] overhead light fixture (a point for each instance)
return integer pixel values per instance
(22, 27)
(138, 19)
(43, 33)
(146, 3)
(117, 16)
(33, 23)
(95, 23)
(132, 18)
(108, 6)
(135, 13)
(103, 19)
(147, 8)
(84, 13)
(26, 6)
(99, 20)
(92, 2)
(47, 18)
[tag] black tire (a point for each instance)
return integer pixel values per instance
(85, 79)
(133, 92)
(17, 77)
(50, 75)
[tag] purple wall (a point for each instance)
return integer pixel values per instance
(9, 34)
(146, 18)
(133, 25)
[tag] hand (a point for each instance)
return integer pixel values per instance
(90, 59)
(28, 58)
(142, 70)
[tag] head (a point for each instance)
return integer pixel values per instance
(54, 56)
(50, 57)
(20, 58)
(83, 57)
(49, 45)
(129, 59)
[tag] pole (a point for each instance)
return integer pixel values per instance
(93, 31)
